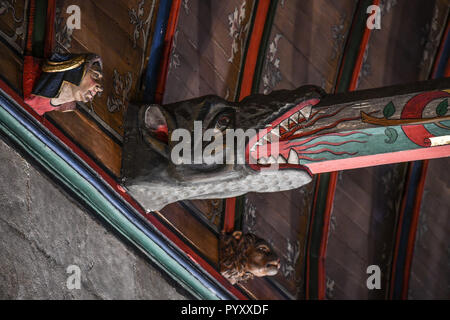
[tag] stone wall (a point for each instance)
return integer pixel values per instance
(43, 231)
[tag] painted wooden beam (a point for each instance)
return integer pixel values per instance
(326, 182)
(373, 127)
(409, 211)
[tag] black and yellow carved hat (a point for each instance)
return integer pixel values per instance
(60, 68)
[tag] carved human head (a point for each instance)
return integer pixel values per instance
(91, 82)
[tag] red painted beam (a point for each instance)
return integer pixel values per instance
(31, 13)
(380, 159)
(324, 240)
(253, 48)
(230, 213)
(168, 43)
(50, 27)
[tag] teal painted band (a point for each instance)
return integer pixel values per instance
(67, 175)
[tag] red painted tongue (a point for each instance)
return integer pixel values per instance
(161, 133)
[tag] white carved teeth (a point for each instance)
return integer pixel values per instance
(285, 124)
(276, 131)
(267, 138)
(306, 111)
(262, 161)
(281, 159)
(294, 118)
(272, 160)
(253, 149)
(293, 157)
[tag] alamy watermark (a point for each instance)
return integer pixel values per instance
(374, 280)
(74, 279)
(213, 146)
(374, 20)
(74, 20)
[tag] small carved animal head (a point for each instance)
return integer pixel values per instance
(244, 256)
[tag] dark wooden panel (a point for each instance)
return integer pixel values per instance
(430, 276)
(282, 219)
(13, 23)
(202, 61)
(351, 285)
(395, 52)
(260, 289)
(193, 231)
(109, 31)
(11, 67)
(90, 137)
(367, 200)
(211, 211)
(362, 228)
(306, 44)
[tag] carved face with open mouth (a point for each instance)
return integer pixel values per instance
(262, 261)
(244, 256)
(273, 123)
(274, 145)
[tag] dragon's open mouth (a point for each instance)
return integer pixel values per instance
(277, 144)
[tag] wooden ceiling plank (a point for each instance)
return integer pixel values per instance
(412, 198)
(326, 183)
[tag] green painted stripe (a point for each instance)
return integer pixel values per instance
(40, 20)
(67, 175)
(352, 45)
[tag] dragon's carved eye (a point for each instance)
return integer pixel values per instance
(222, 123)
